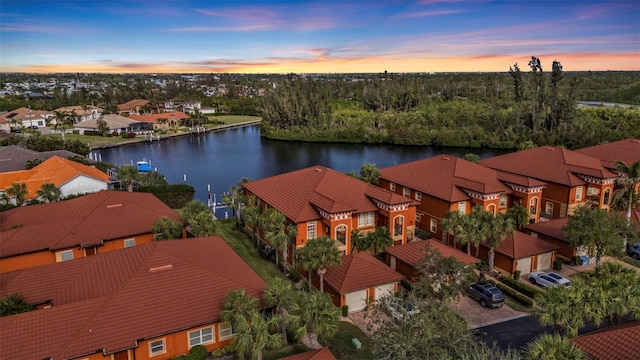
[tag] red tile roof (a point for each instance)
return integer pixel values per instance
(627, 150)
(320, 354)
(550, 164)
(153, 118)
(551, 228)
(412, 253)
(24, 113)
(160, 288)
(132, 104)
(55, 170)
(297, 194)
(359, 271)
(86, 220)
(445, 177)
(618, 342)
(521, 245)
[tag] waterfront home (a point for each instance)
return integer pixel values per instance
(115, 123)
(87, 225)
(627, 150)
(25, 117)
(69, 176)
(617, 342)
(551, 231)
(163, 121)
(134, 107)
(447, 183)
(81, 113)
(154, 301)
(187, 106)
(324, 202)
(15, 157)
(572, 178)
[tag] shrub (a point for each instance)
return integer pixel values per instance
(516, 275)
(424, 235)
(523, 288)
(176, 196)
(294, 275)
(222, 351)
(483, 265)
(198, 352)
(115, 133)
(557, 264)
(76, 132)
(345, 310)
(515, 295)
(91, 133)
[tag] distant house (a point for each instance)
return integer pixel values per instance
(522, 252)
(406, 258)
(187, 106)
(162, 121)
(15, 157)
(96, 223)
(82, 113)
(617, 342)
(26, 117)
(571, 178)
(70, 177)
(154, 301)
(360, 278)
(324, 202)
(133, 107)
(114, 123)
(447, 183)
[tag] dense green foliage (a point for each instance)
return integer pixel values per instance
(38, 142)
(176, 196)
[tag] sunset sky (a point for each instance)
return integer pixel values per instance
(119, 36)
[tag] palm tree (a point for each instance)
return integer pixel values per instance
(14, 304)
(280, 240)
(167, 228)
(380, 239)
(292, 231)
(279, 293)
(562, 307)
(313, 314)
(552, 347)
(203, 224)
(192, 208)
(49, 192)
(128, 174)
(318, 254)
(629, 181)
(163, 123)
(236, 305)
(499, 228)
(518, 214)
(253, 334)
(251, 218)
(19, 191)
(617, 285)
(470, 230)
(62, 119)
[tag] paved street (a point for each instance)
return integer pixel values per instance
(514, 333)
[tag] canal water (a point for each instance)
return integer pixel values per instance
(217, 160)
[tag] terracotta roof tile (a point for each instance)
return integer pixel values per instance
(97, 298)
(627, 150)
(14, 157)
(550, 164)
(551, 228)
(412, 253)
(297, 194)
(114, 121)
(132, 104)
(320, 354)
(618, 342)
(86, 220)
(24, 113)
(521, 245)
(445, 177)
(359, 271)
(153, 118)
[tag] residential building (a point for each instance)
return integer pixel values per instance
(522, 252)
(320, 354)
(359, 279)
(134, 107)
(81, 113)
(26, 117)
(572, 178)
(66, 230)
(71, 177)
(324, 202)
(447, 183)
(627, 150)
(153, 301)
(162, 121)
(187, 106)
(115, 123)
(15, 157)
(406, 258)
(551, 231)
(617, 342)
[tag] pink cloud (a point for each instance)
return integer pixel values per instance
(426, 14)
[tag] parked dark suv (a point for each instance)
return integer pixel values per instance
(487, 294)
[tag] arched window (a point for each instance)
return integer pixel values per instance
(491, 208)
(533, 206)
(398, 225)
(341, 233)
(607, 193)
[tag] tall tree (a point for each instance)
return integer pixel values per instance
(19, 191)
(518, 215)
(251, 218)
(192, 208)
(253, 333)
(12, 304)
(598, 231)
(279, 293)
(273, 223)
(499, 228)
(103, 127)
(563, 308)
(318, 254)
(370, 173)
(129, 175)
(441, 278)
(203, 224)
(379, 239)
(49, 192)
(167, 228)
(629, 181)
(313, 314)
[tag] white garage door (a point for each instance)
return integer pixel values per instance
(544, 261)
(524, 265)
(357, 300)
(384, 290)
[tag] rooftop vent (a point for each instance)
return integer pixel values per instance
(446, 158)
(160, 268)
(550, 148)
(113, 206)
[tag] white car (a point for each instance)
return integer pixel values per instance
(548, 279)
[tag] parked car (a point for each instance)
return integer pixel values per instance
(33, 127)
(398, 308)
(634, 251)
(548, 279)
(486, 294)
(16, 130)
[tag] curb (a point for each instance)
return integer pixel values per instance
(499, 321)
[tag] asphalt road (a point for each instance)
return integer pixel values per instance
(515, 333)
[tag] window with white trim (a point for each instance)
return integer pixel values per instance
(365, 219)
(311, 230)
(418, 217)
(418, 195)
(129, 243)
(406, 192)
(462, 207)
(156, 347)
(225, 330)
(200, 337)
(548, 208)
(433, 226)
(578, 193)
(392, 186)
(65, 255)
(503, 201)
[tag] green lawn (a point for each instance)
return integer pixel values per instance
(231, 119)
(341, 346)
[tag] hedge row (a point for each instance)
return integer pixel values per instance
(522, 288)
(513, 294)
(176, 196)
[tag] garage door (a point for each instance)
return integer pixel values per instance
(524, 265)
(357, 300)
(544, 261)
(384, 290)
